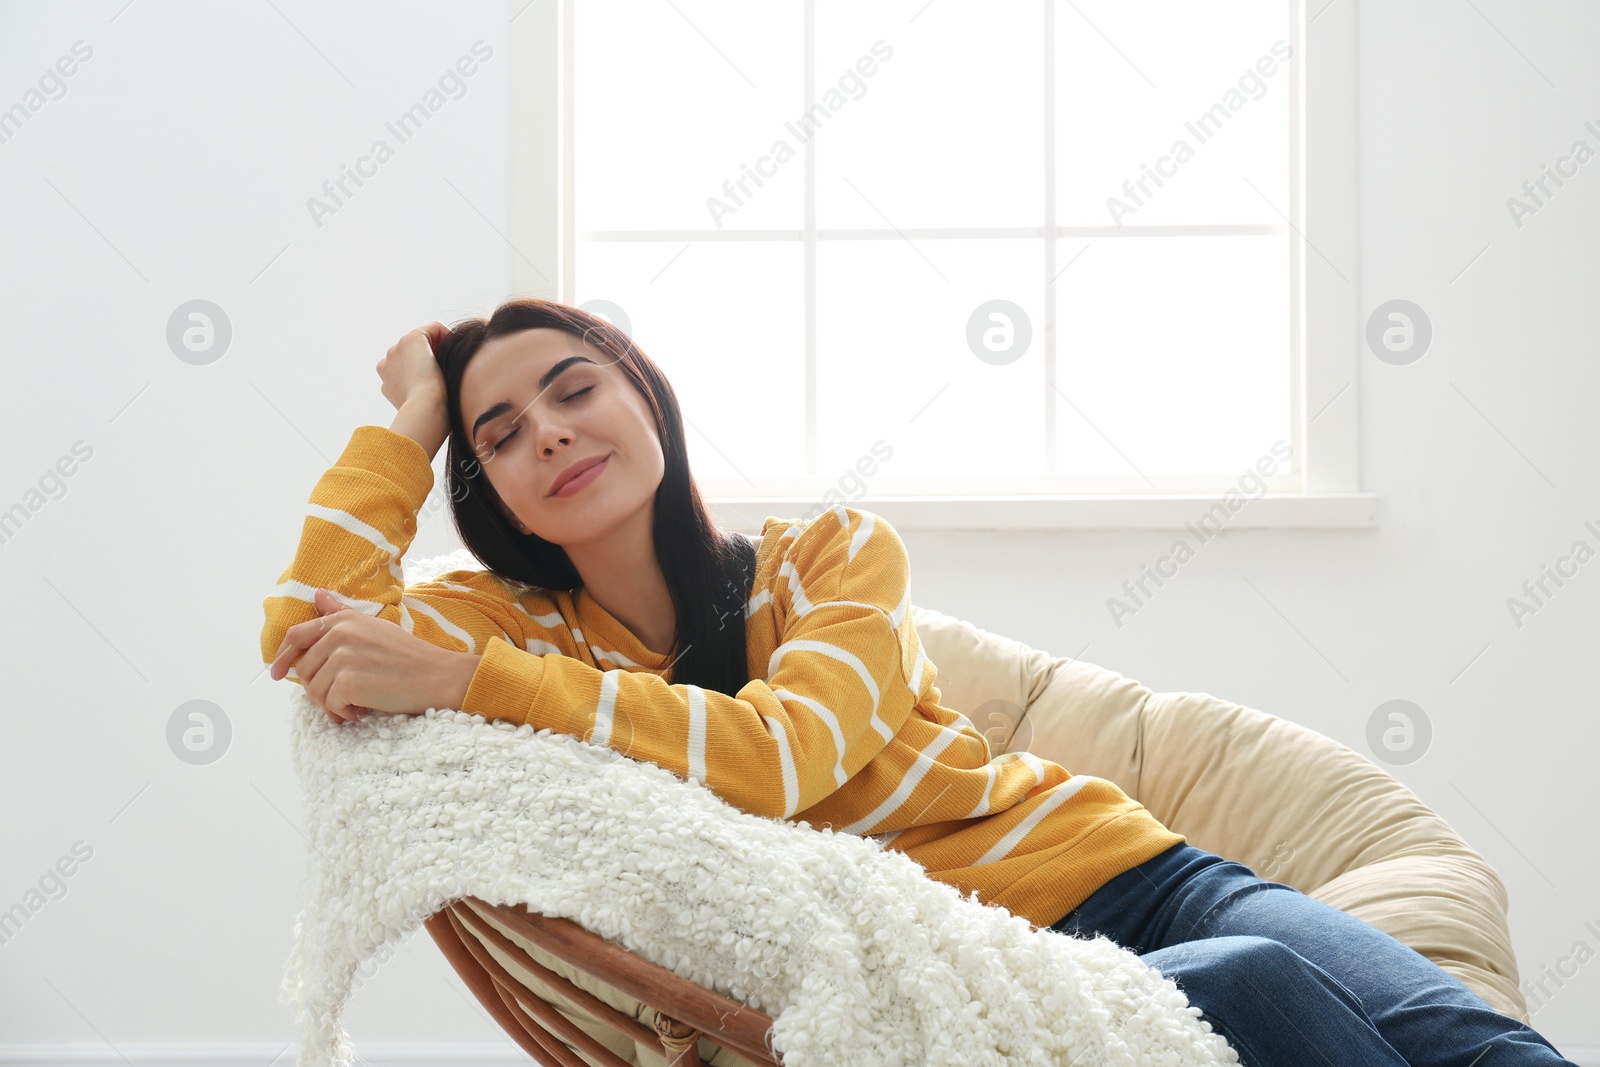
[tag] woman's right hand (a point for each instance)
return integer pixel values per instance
(409, 369)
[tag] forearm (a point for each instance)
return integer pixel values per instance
(738, 746)
(379, 484)
(422, 418)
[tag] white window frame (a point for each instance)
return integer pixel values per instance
(1325, 327)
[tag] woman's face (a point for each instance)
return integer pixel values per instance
(537, 401)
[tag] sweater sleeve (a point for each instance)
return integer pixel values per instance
(361, 519)
(836, 689)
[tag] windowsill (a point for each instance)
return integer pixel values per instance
(1273, 511)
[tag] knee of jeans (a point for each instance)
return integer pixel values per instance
(1247, 959)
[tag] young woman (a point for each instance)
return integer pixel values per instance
(785, 673)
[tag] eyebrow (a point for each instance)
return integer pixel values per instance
(504, 406)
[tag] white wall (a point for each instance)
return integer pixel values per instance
(177, 166)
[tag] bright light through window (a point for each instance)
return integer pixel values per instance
(1033, 248)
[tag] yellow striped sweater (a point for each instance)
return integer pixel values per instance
(840, 724)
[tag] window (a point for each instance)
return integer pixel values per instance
(1038, 264)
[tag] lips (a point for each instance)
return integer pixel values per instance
(577, 470)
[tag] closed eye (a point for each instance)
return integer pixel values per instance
(495, 448)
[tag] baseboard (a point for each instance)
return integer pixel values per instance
(375, 1053)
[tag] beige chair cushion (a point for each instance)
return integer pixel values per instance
(1292, 804)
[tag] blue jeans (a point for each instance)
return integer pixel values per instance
(1291, 981)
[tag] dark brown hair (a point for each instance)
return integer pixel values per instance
(709, 571)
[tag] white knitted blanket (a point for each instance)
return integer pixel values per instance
(858, 956)
(855, 952)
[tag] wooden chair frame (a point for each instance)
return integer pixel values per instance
(684, 1010)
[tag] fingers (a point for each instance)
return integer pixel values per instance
(349, 716)
(320, 686)
(303, 648)
(281, 662)
(297, 640)
(435, 332)
(338, 709)
(289, 641)
(299, 650)
(300, 639)
(326, 603)
(324, 698)
(355, 714)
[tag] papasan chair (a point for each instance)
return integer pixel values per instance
(1292, 804)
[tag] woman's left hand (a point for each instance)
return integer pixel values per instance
(351, 663)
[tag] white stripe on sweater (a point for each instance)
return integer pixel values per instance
(605, 708)
(982, 806)
(850, 659)
(823, 712)
(697, 732)
(443, 623)
(918, 770)
(862, 534)
(366, 531)
(791, 781)
(1058, 797)
(294, 589)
